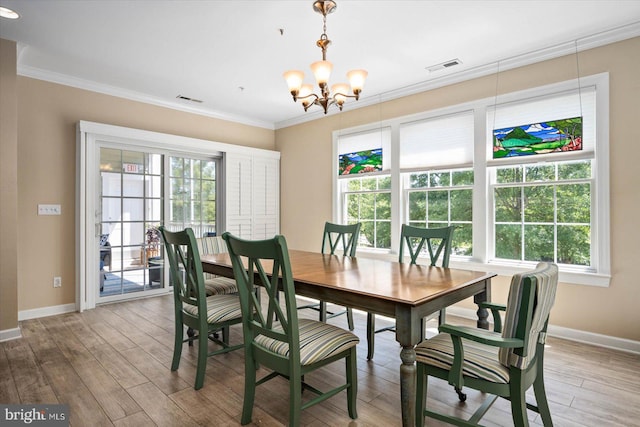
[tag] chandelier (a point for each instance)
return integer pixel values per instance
(322, 70)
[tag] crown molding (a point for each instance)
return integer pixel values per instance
(556, 51)
(566, 48)
(67, 80)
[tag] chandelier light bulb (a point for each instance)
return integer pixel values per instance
(340, 92)
(322, 71)
(356, 79)
(305, 94)
(294, 81)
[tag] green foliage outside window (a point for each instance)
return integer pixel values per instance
(443, 198)
(193, 193)
(543, 213)
(368, 201)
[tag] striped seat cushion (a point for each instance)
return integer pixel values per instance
(220, 286)
(318, 341)
(220, 308)
(480, 360)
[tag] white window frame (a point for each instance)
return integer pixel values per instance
(343, 184)
(407, 190)
(482, 194)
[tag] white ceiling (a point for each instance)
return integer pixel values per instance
(155, 50)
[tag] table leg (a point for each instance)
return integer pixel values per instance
(483, 313)
(323, 311)
(408, 385)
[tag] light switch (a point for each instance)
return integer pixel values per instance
(49, 210)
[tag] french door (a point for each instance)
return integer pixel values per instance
(140, 190)
(129, 181)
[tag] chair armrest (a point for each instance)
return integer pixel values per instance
(495, 312)
(480, 335)
(456, 377)
(493, 305)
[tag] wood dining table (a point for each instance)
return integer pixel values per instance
(403, 291)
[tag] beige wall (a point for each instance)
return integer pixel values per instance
(47, 116)
(615, 311)
(45, 129)
(8, 187)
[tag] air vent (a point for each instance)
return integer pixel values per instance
(443, 65)
(186, 98)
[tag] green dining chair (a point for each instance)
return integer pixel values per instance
(203, 315)
(275, 338)
(503, 363)
(337, 237)
(437, 242)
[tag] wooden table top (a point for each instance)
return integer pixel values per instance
(388, 280)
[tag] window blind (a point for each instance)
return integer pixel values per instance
(437, 143)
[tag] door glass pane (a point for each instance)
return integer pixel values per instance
(111, 209)
(131, 205)
(153, 210)
(111, 184)
(133, 209)
(192, 195)
(154, 186)
(133, 185)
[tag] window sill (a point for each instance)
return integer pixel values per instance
(572, 277)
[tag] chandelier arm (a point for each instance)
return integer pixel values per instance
(308, 96)
(346, 96)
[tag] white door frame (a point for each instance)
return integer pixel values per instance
(89, 137)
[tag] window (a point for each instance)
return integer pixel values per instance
(434, 195)
(365, 196)
(443, 198)
(542, 204)
(542, 212)
(512, 204)
(368, 201)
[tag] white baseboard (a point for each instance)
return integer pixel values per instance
(600, 340)
(10, 334)
(46, 311)
(591, 338)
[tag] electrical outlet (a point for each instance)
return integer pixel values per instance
(57, 282)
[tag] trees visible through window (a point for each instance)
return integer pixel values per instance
(442, 198)
(543, 212)
(368, 201)
(193, 195)
(523, 180)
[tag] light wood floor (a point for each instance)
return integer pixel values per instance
(111, 365)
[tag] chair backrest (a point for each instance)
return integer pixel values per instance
(265, 262)
(336, 233)
(437, 241)
(211, 245)
(531, 297)
(185, 268)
